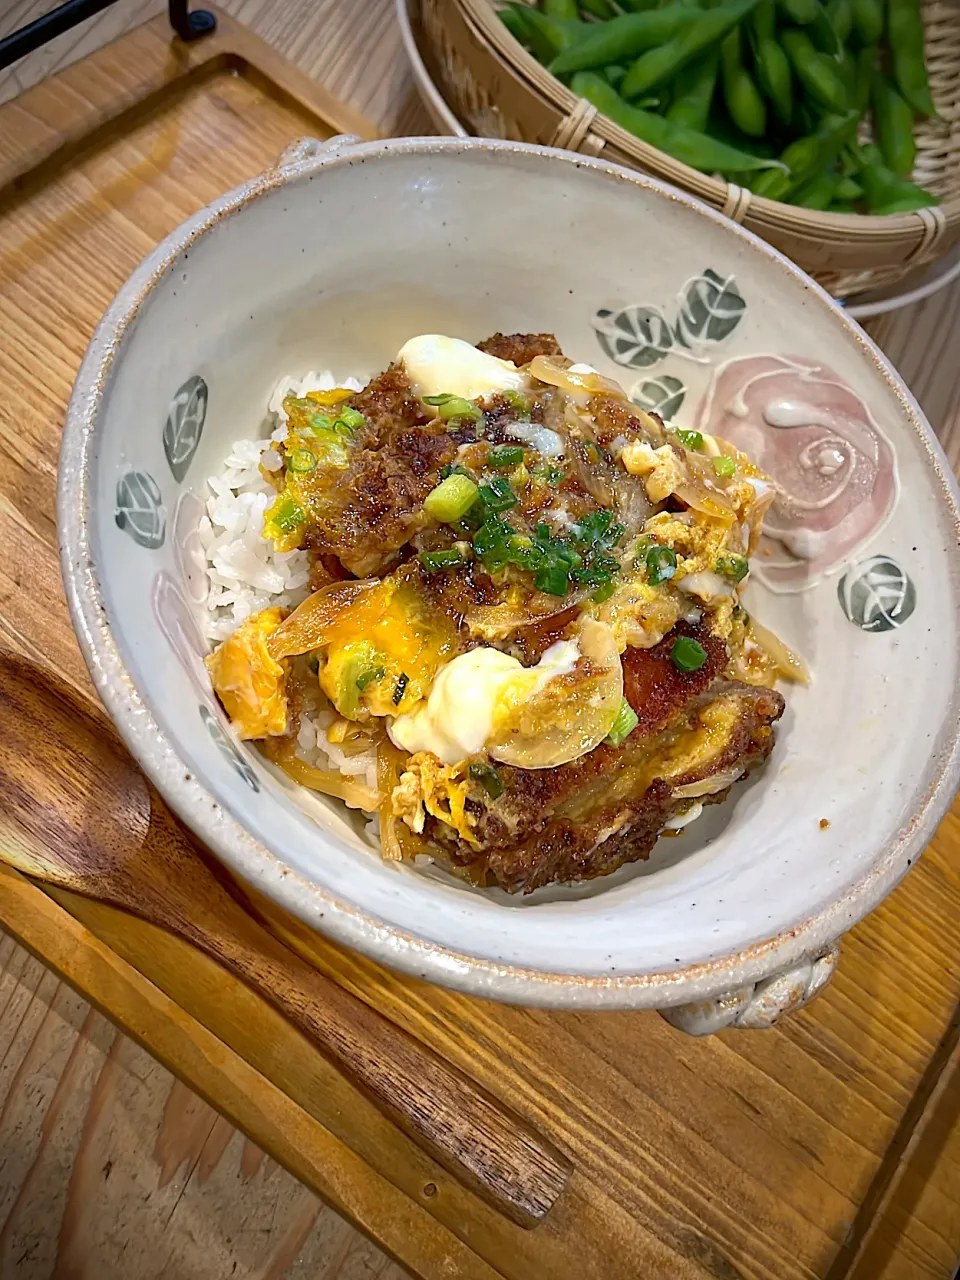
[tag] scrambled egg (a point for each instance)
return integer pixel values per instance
(640, 613)
(382, 654)
(427, 786)
(249, 682)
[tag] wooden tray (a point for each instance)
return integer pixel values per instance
(824, 1148)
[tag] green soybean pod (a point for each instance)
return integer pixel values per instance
(840, 13)
(544, 35)
(657, 66)
(863, 78)
(561, 9)
(893, 126)
(818, 193)
(771, 65)
(823, 35)
(905, 36)
(691, 147)
(598, 8)
(884, 192)
(512, 19)
(805, 157)
(744, 103)
(819, 74)
(848, 190)
(867, 20)
(799, 11)
(621, 39)
(693, 91)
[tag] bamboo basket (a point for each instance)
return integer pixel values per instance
(501, 91)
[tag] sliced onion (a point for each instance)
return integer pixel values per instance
(706, 586)
(397, 841)
(555, 370)
(789, 664)
(356, 795)
(494, 621)
(700, 490)
(571, 714)
(708, 786)
(307, 627)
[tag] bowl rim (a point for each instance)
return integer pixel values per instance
(201, 808)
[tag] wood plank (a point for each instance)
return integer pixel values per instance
(745, 1156)
(111, 1166)
(266, 1114)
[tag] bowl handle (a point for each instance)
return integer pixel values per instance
(759, 1004)
(309, 148)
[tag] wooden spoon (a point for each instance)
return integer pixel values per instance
(77, 813)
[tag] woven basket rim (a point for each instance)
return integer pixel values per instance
(793, 218)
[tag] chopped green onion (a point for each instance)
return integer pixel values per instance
(498, 495)
(725, 466)
(687, 654)
(449, 407)
(351, 417)
(433, 561)
(604, 592)
(550, 475)
(505, 456)
(313, 663)
(320, 422)
(451, 499)
(301, 461)
(690, 439)
(286, 513)
(369, 676)
(625, 723)
(489, 779)
(661, 564)
(735, 567)
(518, 402)
(454, 469)
(402, 682)
(553, 580)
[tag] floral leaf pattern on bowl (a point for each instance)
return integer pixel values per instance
(637, 336)
(179, 627)
(187, 548)
(663, 395)
(710, 306)
(877, 594)
(834, 469)
(228, 748)
(140, 511)
(184, 425)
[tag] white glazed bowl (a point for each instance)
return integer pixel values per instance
(335, 259)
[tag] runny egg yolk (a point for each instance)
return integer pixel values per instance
(437, 365)
(459, 716)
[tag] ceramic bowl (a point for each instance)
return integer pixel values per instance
(332, 260)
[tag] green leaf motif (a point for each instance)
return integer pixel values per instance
(663, 395)
(227, 749)
(184, 425)
(140, 511)
(637, 336)
(876, 594)
(711, 307)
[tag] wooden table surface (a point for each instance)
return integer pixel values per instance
(826, 1148)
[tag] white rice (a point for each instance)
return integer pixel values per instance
(244, 572)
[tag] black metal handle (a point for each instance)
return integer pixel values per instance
(34, 35)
